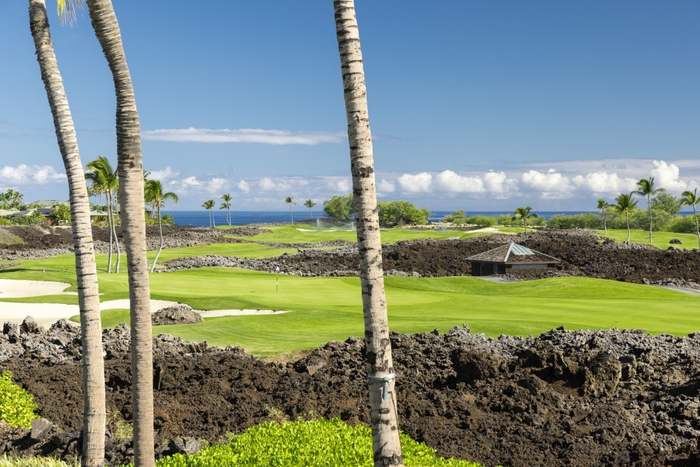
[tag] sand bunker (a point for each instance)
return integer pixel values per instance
(24, 289)
(45, 314)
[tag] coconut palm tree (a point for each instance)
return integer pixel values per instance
(309, 203)
(209, 205)
(157, 197)
(603, 206)
(290, 201)
(523, 214)
(226, 204)
(132, 206)
(92, 363)
(105, 180)
(380, 366)
(692, 199)
(624, 204)
(647, 187)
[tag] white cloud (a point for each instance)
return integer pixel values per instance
(667, 176)
(242, 135)
(338, 184)
(604, 183)
(550, 184)
(30, 175)
(216, 185)
(450, 181)
(416, 183)
(385, 186)
(164, 175)
(244, 186)
(266, 184)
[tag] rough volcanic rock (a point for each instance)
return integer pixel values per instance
(562, 398)
(176, 314)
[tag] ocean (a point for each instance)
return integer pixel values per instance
(201, 218)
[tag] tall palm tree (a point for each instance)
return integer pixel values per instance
(105, 180)
(132, 206)
(92, 363)
(647, 187)
(380, 366)
(157, 197)
(523, 214)
(290, 201)
(209, 205)
(226, 199)
(603, 206)
(624, 204)
(692, 199)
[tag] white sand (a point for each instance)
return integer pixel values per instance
(45, 314)
(24, 289)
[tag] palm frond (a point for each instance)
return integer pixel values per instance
(68, 9)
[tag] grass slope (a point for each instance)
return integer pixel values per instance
(661, 239)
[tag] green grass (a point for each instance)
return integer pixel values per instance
(661, 239)
(315, 443)
(324, 309)
(302, 233)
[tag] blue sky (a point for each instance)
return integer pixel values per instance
(474, 104)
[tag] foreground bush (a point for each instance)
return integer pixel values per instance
(308, 443)
(16, 405)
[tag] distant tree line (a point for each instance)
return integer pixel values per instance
(391, 213)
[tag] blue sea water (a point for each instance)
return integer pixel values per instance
(201, 218)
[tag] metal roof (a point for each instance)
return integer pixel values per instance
(513, 253)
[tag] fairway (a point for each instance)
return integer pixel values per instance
(324, 309)
(661, 239)
(303, 233)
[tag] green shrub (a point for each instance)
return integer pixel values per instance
(393, 213)
(682, 224)
(34, 462)
(482, 221)
(457, 217)
(314, 443)
(16, 405)
(577, 221)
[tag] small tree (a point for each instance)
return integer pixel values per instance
(523, 214)
(156, 196)
(647, 187)
(11, 199)
(226, 200)
(603, 206)
(624, 204)
(209, 205)
(60, 214)
(692, 199)
(290, 201)
(339, 208)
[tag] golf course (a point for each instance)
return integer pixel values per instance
(323, 309)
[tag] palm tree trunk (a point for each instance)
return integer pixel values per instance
(605, 221)
(116, 238)
(160, 232)
(110, 224)
(131, 198)
(697, 225)
(629, 232)
(651, 221)
(92, 368)
(380, 367)
(229, 216)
